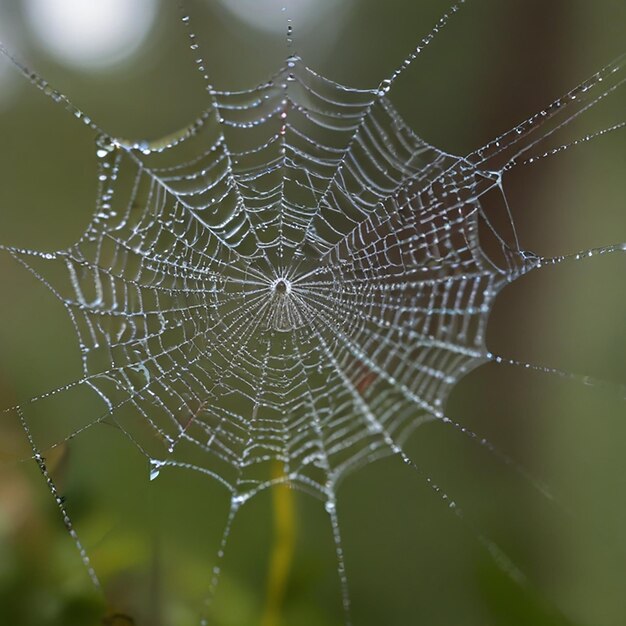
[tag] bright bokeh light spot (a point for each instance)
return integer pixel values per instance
(91, 33)
(272, 15)
(9, 78)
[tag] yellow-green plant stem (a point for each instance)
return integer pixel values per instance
(282, 552)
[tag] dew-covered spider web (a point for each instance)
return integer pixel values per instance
(285, 290)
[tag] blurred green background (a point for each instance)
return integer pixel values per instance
(409, 560)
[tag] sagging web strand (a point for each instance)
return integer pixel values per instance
(296, 277)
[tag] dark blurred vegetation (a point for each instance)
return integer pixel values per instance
(409, 560)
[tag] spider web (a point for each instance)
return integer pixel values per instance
(297, 278)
